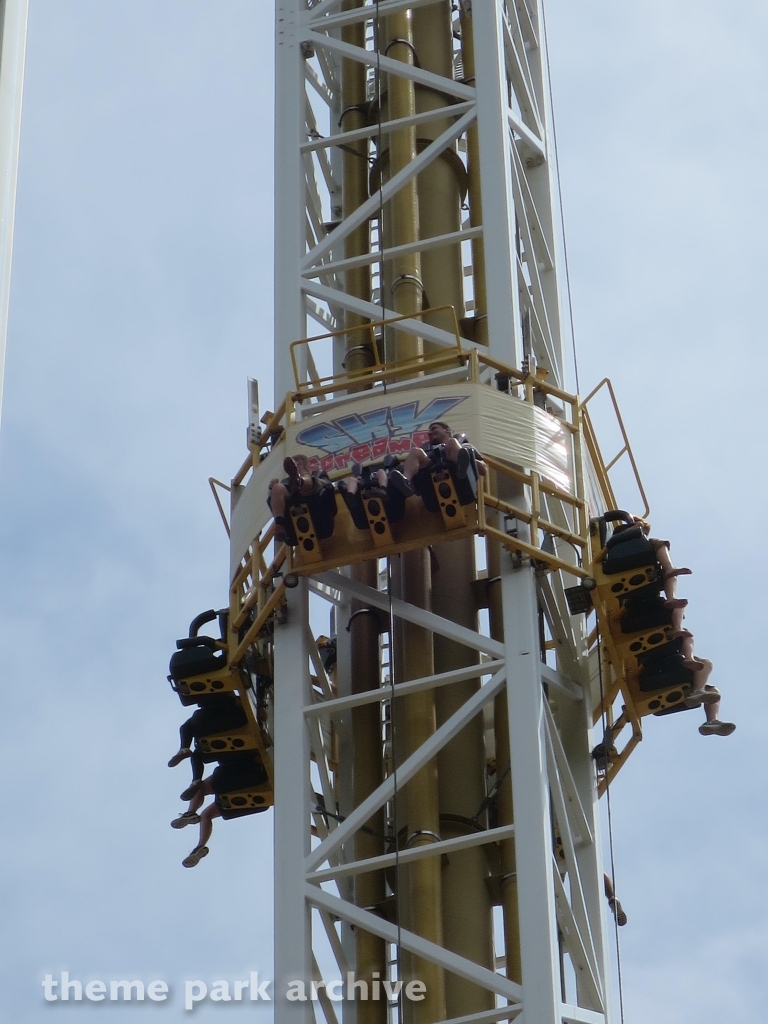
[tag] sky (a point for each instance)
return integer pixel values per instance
(141, 301)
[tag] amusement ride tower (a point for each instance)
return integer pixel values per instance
(427, 671)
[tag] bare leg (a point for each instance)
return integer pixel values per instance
(299, 475)
(197, 793)
(206, 823)
(669, 572)
(712, 711)
(677, 606)
(196, 802)
(190, 816)
(206, 828)
(307, 485)
(452, 449)
(713, 726)
(686, 649)
(613, 903)
(415, 460)
(279, 495)
(702, 692)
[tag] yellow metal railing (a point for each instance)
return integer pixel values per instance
(258, 588)
(601, 467)
(380, 370)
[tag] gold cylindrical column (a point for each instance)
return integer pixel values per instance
(441, 183)
(403, 209)
(415, 718)
(467, 911)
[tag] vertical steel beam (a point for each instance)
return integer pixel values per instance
(290, 188)
(13, 34)
(545, 189)
(293, 952)
(504, 328)
(539, 948)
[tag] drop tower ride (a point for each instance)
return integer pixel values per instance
(435, 795)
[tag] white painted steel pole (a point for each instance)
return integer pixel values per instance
(293, 953)
(539, 949)
(290, 216)
(504, 331)
(14, 42)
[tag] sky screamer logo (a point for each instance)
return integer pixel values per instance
(361, 437)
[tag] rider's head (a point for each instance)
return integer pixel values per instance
(439, 432)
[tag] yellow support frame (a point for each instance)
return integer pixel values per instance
(257, 591)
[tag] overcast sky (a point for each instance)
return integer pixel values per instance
(141, 301)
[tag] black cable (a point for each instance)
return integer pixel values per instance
(606, 732)
(392, 731)
(492, 794)
(392, 728)
(323, 810)
(379, 140)
(560, 200)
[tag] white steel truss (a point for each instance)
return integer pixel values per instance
(555, 831)
(509, 103)
(553, 790)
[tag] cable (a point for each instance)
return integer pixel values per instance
(610, 828)
(394, 778)
(392, 727)
(560, 201)
(379, 140)
(492, 793)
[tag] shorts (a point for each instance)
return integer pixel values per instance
(216, 717)
(238, 772)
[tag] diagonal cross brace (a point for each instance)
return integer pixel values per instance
(412, 613)
(405, 771)
(385, 193)
(417, 328)
(423, 948)
(358, 700)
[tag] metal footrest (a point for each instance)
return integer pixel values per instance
(250, 800)
(658, 700)
(635, 644)
(228, 742)
(223, 681)
(619, 585)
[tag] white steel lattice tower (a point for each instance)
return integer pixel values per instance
(415, 171)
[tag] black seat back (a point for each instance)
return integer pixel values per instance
(194, 661)
(626, 549)
(195, 654)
